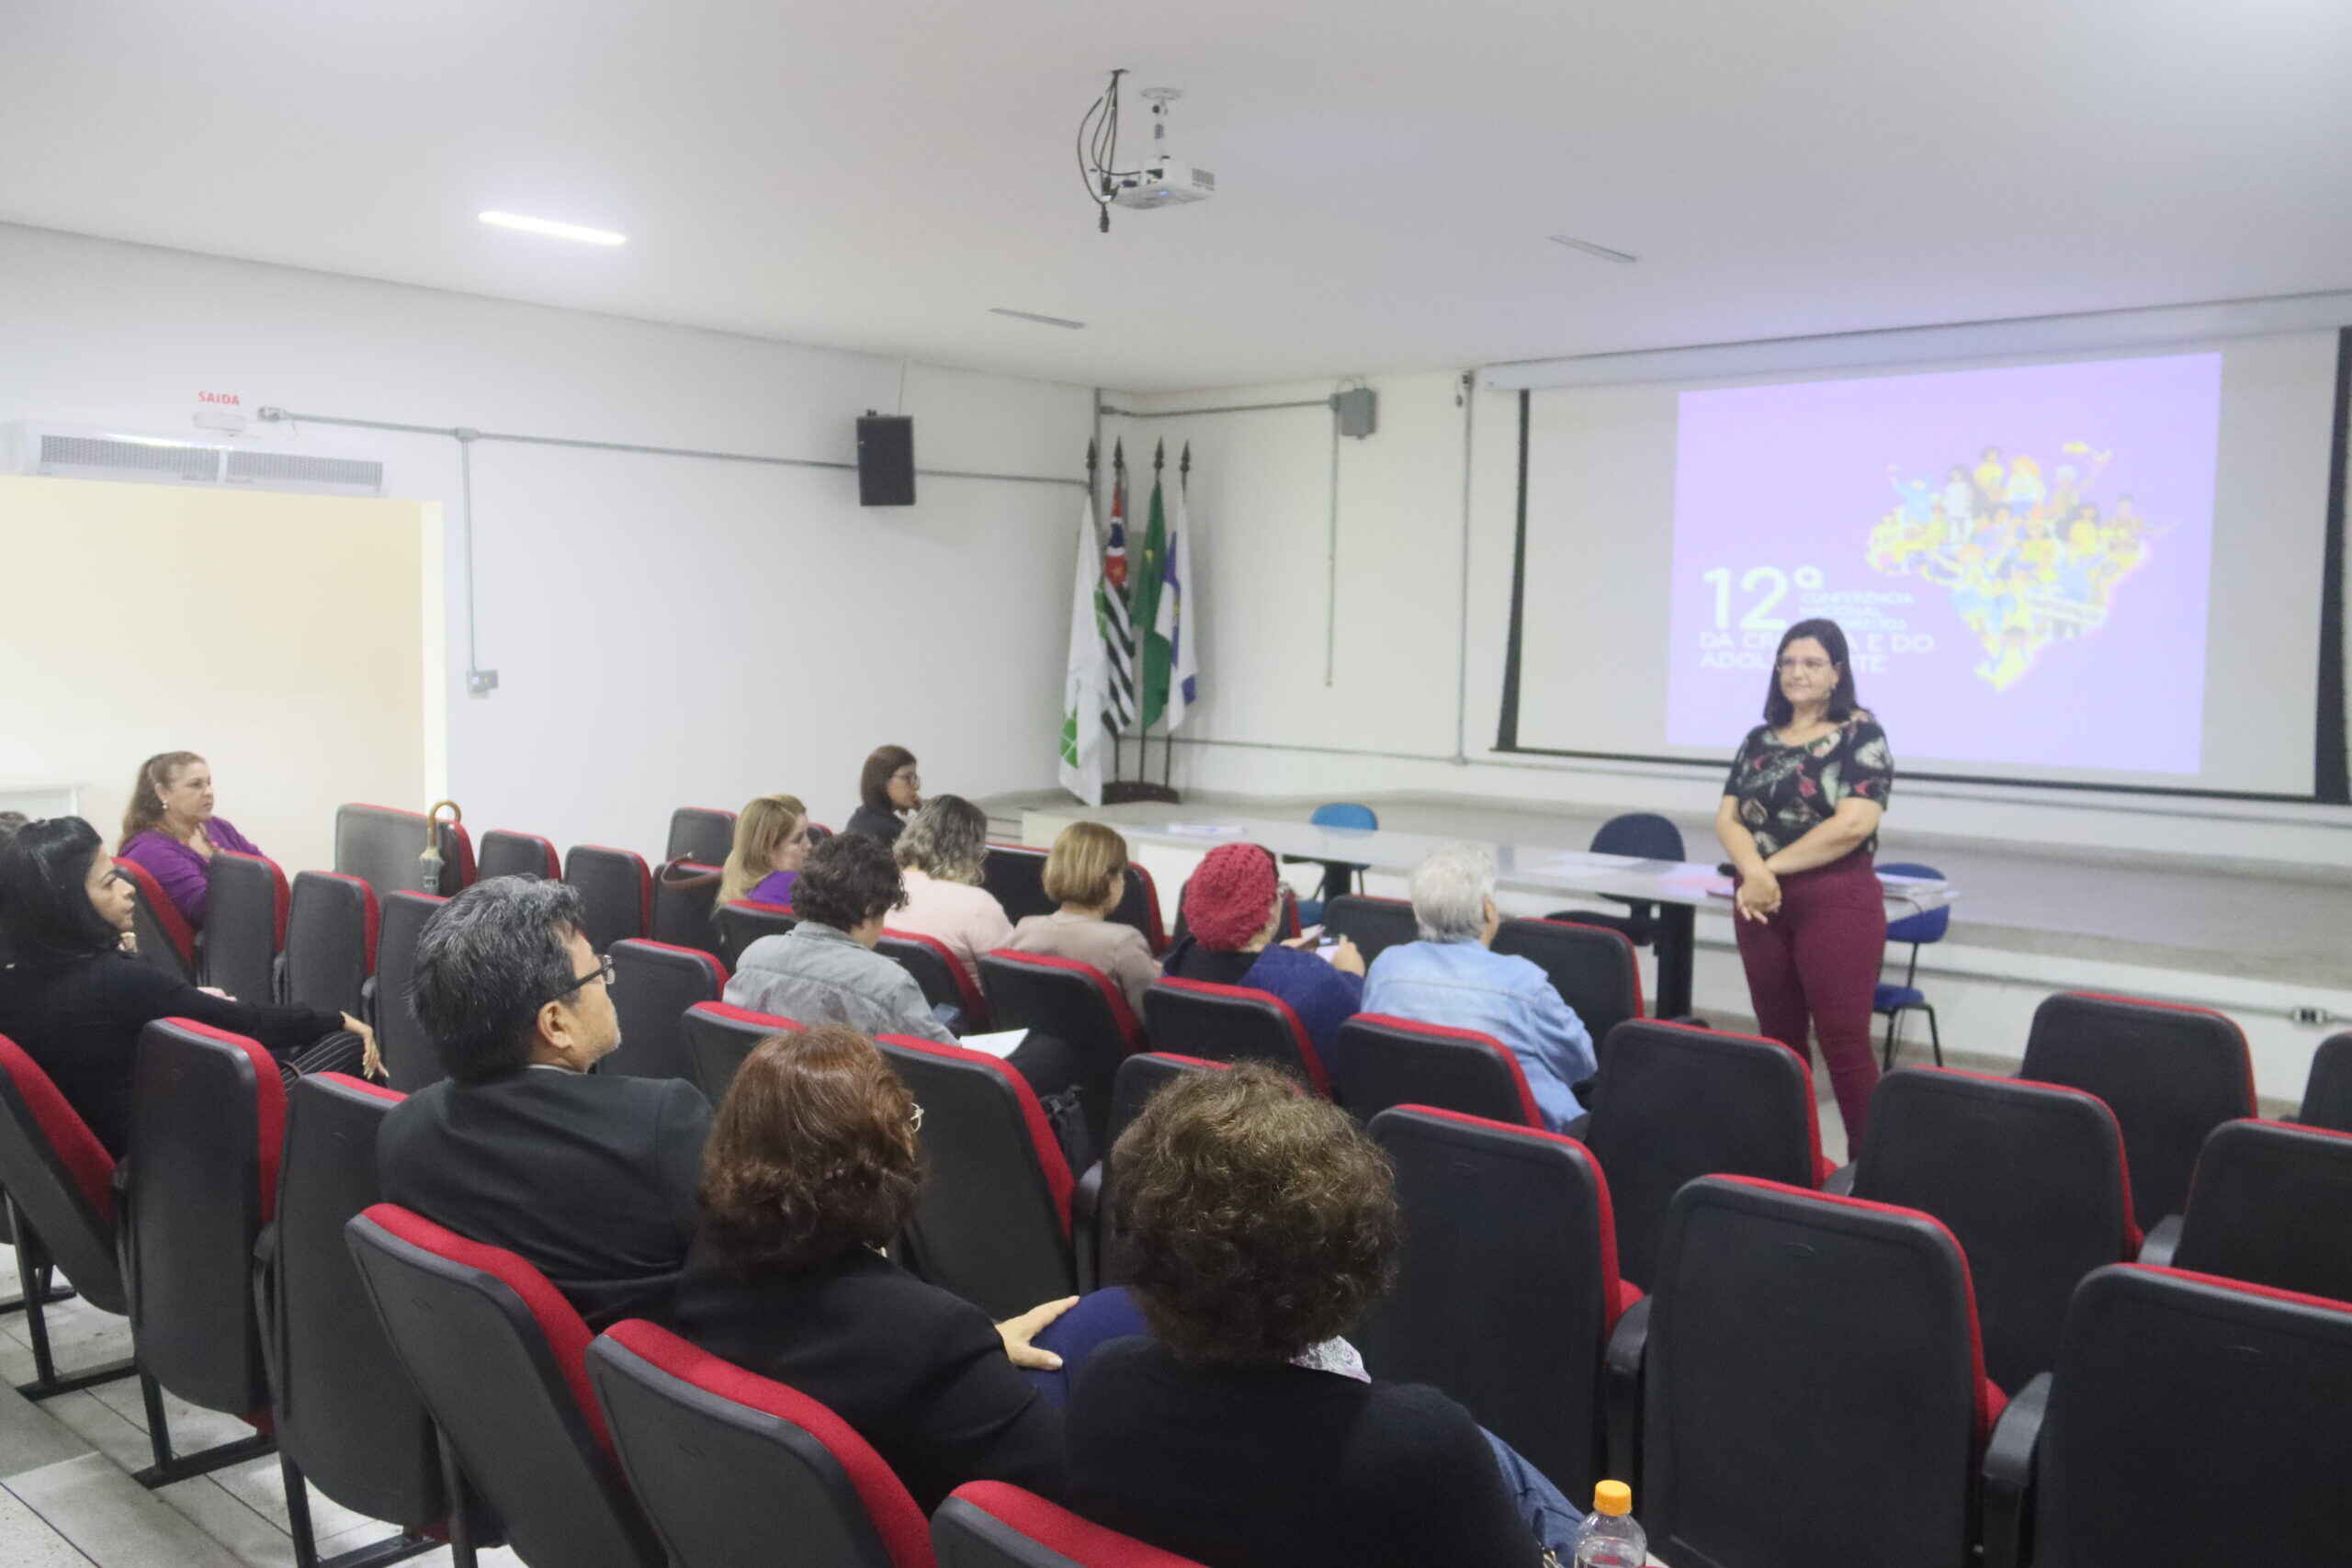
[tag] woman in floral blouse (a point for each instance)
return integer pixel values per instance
(1799, 819)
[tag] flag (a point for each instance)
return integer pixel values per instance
(1086, 685)
(1171, 658)
(1119, 631)
(1152, 675)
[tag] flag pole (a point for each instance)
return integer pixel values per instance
(1168, 746)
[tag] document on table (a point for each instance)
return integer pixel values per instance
(1000, 1045)
(1207, 829)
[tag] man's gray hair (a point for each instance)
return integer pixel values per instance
(486, 963)
(948, 838)
(1449, 892)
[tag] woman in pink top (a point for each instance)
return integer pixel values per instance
(169, 828)
(941, 853)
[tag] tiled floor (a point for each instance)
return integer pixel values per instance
(66, 1495)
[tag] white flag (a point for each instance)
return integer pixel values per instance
(1086, 685)
(1178, 622)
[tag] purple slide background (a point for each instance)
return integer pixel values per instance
(1796, 476)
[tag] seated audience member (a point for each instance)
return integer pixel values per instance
(825, 970)
(1260, 1224)
(888, 788)
(771, 846)
(1449, 976)
(813, 1170)
(1232, 908)
(76, 1002)
(591, 1179)
(169, 828)
(940, 855)
(1087, 871)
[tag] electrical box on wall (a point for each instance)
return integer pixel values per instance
(1359, 411)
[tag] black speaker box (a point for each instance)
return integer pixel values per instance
(885, 460)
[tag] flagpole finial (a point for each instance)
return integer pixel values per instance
(1119, 453)
(1094, 459)
(1159, 455)
(1184, 468)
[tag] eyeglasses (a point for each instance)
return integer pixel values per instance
(906, 776)
(914, 1120)
(604, 971)
(1807, 666)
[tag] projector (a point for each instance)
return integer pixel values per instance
(1168, 181)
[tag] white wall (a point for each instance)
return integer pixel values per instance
(1386, 721)
(667, 631)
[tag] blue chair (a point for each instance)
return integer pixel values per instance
(1893, 1001)
(1336, 879)
(1646, 836)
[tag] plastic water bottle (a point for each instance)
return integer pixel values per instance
(1610, 1537)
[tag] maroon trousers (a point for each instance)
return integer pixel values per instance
(1817, 961)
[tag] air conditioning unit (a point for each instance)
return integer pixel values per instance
(70, 452)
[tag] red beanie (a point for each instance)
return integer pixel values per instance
(1229, 897)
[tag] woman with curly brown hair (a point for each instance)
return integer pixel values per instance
(809, 1171)
(1261, 1223)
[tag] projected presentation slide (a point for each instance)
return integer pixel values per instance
(2020, 556)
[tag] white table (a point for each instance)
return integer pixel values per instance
(1678, 887)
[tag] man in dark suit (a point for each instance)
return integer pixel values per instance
(591, 1179)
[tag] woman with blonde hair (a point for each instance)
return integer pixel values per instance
(1086, 873)
(941, 852)
(169, 828)
(771, 846)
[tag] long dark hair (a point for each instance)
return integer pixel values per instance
(44, 906)
(874, 780)
(1778, 709)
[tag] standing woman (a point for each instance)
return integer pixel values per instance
(169, 828)
(888, 788)
(1799, 819)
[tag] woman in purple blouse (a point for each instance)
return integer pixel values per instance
(169, 828)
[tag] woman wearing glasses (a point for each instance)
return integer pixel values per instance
(889, 787)
(1799, 819)
(75, 1002)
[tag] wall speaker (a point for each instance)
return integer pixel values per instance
(885, 460)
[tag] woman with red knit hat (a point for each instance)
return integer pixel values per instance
(1232, 908)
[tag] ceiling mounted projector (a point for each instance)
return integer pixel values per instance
(1160, 180)
(1169, 183)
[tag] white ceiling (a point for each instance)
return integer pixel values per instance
(875, 176)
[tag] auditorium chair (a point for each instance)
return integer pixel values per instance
(617, 886)
(718, 1036)
(1674, 1102)
(1232, 1023)
(1014, 874)
(1138, 906)
(945, 981)
(410, 1060)
(164, 940)
(733, 1468)
(993, 1222)
(1594, 969)
(500, 1360)
(1374, 925)
(1379, 1061)
(2189, 1420)
(685, 896)
(58, 1182)
(505, 854)
(1073, 1001)
(2327, 1092)
(348, 1421)
(2270, 1204)
(245, 925)
(993, 1524)
(703, 833)
(1518, 1221)
(2171, 1074)
(383, 846)
(332, 926)
(2029, 1178)
(746, 920)
(1812, 1387)
(1140, 1076)
(207, 1129)
(1644, 835)
(653, 984)
(1893, 1001)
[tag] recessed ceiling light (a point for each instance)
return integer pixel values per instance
(553, 229)
(1589, 248)
(1034, 316)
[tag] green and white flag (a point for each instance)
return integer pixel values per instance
(1086, 702)
(1150, 578)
